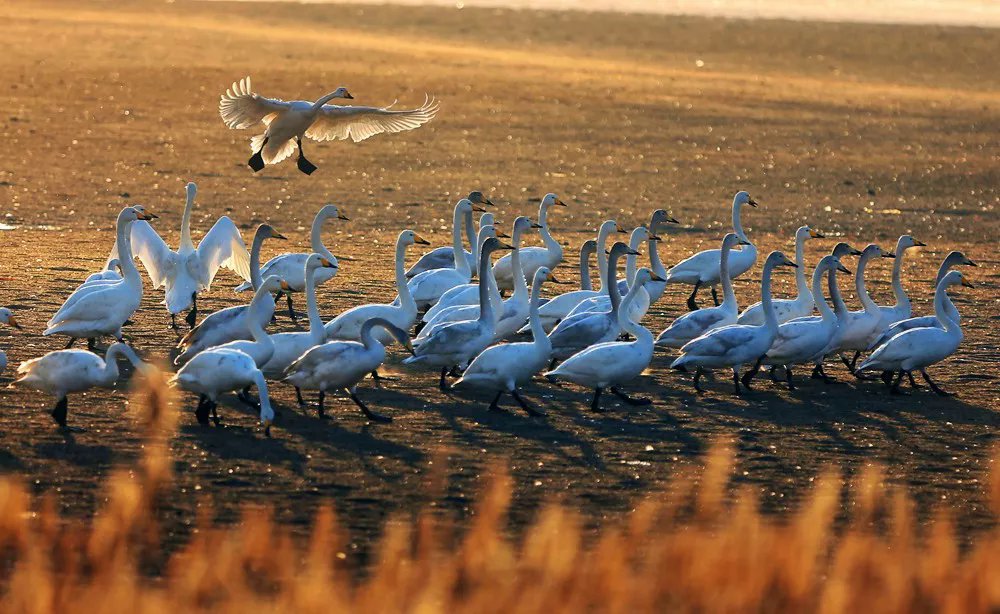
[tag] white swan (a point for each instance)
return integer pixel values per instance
(789, 309)
(696, 323)
(427, 287)
(289, 267)
(655, 289)
(561, 305)
(902, 309)
(584, 329)
(919, 348)
(217, 371)
(347, 326)
(287, 122)
(508, 366)
(261, 347)
(6, 317)
(189, 270)
(611, 364)
(340, 365)
(444, 257)
(100, 308)
(65, 372)
(738, 344)
(533, 257)
(230, 324)
(954, 258)
(111, 272)
(457, 343)
(639, 307)
(702, 269)
(799, 341)
(861, 327)
(840, 251)
(465, 294)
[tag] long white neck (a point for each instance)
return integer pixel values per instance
(129, 272)
(255, 278)
(550, 242)
(486, 312)
(368, 337)
(406, 302)
(266, 411)
(470, 235)
(110, 373)
(655, 264)
(520, 285)
(839, 306)
(322, 101)
(942, 303)
(641, 334)
(631, 261)
(316, 329)
(801, 284)
(260, 336)
(612, 288)
(461, 263)
(737, 224)
(902, 301)
(859, 284)
(585, 282)
(541, 340)
(728, 296)
(602, 252)
(316, 234)
(187, 245)
(770, 318)
(817, 293)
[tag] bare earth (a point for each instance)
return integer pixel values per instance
(863, 131)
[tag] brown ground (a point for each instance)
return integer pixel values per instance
(863, 131)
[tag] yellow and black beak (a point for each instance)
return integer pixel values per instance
(671, 220)
(632, 252)
(479, 209)
(506, 246)
(618, 228)
(967, 283)
(888, 255)
(147, 215)
(11, 321)
(560, 203)
(342, 216)
(348, 96)
(267, 427)
(502, 235)
(285, 286)
(751, 202)
(536, 225)
(326, 263)
(843, 269)
(919, 243)
(816, 234)
(653, 237)
(278, 235)
(655, 277)
(744, 242)
(420, 240)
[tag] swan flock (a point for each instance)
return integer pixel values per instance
(451, 314)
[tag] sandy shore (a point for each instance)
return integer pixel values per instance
(863, 131)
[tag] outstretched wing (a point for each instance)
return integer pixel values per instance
(359, 123)
(241, 108)
(223, 246)
(151, 250)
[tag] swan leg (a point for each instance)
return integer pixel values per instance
(321, 408)
(59, 412)
(298, 397)
(525, 406)
(72, 341)
(454, 372)
(443, 383)
(201, 413)
(935, 387)
(736, 382)
(371, 415)
(291, 310)
(552, 364)
(715, 296)
(697, 376)
(244, 395)
(595, 405)
(495, 404)
(192, 315)
(215, 413)
(630, 399)
(92, 344)
(819, 373)
(773, 372)
(886, 378)
(173, 321)
(749, 375)
(382, 378)
(692, 305)
(788, 378)
(256, 161)
(895, 384)
(913, 382)
(304, 165)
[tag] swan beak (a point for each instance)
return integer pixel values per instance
(967, 283)
(348, 96)
(278, 235)
(620, 229)
(969, 263)
(632, 252)
(815, 234)
(552, 278)
(479, 209)
(341, 216)
(285, 286)
(744, 242)
(267, 427)
(888, 255)
(653, 237)
(671, 220)
(855, 252)
(502, 235)
(607, 252)
(420, 240)
(326, 263)
(560, 203)
(536, 225)
(751, 202)
(505, 246)
(146, 215)
(788, 262)
(919, 243)
(13, 322)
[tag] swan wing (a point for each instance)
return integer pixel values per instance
(241, 108)
(335, 122)
(223, 246)
(156, 257)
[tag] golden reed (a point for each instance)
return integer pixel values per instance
(702, 548)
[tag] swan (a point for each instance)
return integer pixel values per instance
(840, 251)
(65, 372)
(952, 259)
(584, 329)
(287, 122)
(444, 257)
(902, 309)
(603, 302)
(216, 371)
(702, 268)
(289, 346)
(696, 323)
(613, 363)
(427, 287)
(918, 348)
(340, 365)
(789, 309)
(798, 341)
(230, 324)
(861, 327)
(533, 257)
(261, 347)
(6, 317)
(457, 343)
(347, 326)
(111, 272)
(738, 344)
(465, 294)
(508, 366)
(655, 289)
(100, 308)
(561, 306)
(290, 266)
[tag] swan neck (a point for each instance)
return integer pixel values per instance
(485, 304)
(470, 235)
(631, 262)
(612, 288)
(839, 307)
(260, 336)
(543, 221)
(801, 284)
(541, 339)
(124, 240)
(942, 302)
(641, 334)
(461, 263)
(728, 296)
(265, 397)
(111, 372)
(402, 288)
(770, 318)
(859, 285)
(737, 222)
(316, 327)
(520, 285)
(255, 278)
(322, 101)
(585, 282)
(655, 264)
(817, 292)
(187, 244)
(897, 279)
(316, 235)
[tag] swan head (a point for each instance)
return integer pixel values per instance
(589, 247)
(871, 251)
(341, 92)
(487, 219)
(466, 206)
(267, 231)
(135, 213)
(956, 278)
(408, 237)
(191, 189)
(641, 233)
(493, 244)
(643, 276)
(832, 262)
(906, 242)
(843, 249)
(804, 232)
(7, 317)
(660, 217)
(316, 261)
(273, 283)
(551, 199)
(330, 211)
(478, 198)
(620, 249)
(523, 224)
(956, 258)
(779, 259)
(731, 240)
(743, 198)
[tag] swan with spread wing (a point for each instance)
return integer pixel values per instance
(288, 121)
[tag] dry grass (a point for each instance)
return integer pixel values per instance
(705, 547)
